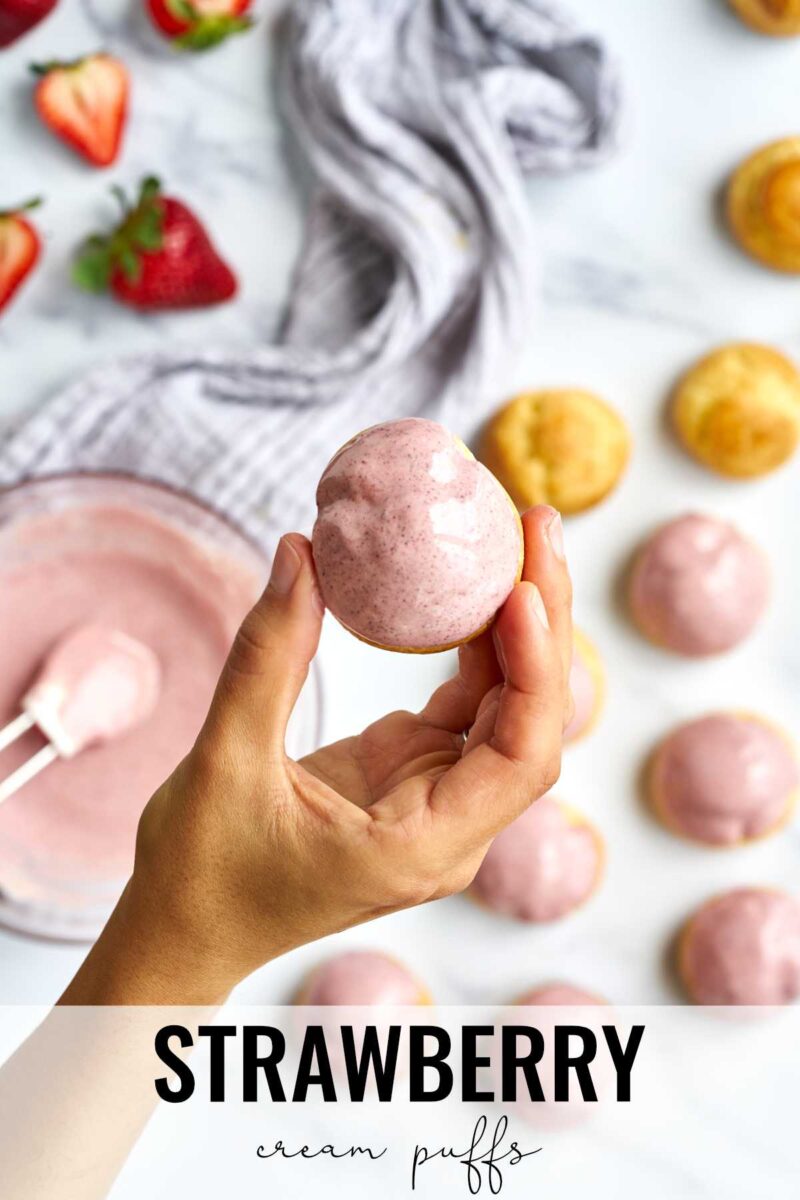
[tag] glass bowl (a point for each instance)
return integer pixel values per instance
(35, 897)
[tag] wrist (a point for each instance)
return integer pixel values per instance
(145, 956)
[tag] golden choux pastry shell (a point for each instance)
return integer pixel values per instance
(738, 410)
(763, 205)
(780, 18)
(563, 447)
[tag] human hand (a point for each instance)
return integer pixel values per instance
(244, 854)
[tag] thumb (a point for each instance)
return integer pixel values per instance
(270, 656)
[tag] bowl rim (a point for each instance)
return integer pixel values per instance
(146, 481)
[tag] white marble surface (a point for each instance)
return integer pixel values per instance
(637, 279)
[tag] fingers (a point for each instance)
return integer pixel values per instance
(530, 714)
(454, 705)
(546, 566)
(270, 656)
(513, 752)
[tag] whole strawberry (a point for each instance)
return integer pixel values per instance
(18, 16)
(85, 103)
(159, 256)
(199, 24)
(20, 248)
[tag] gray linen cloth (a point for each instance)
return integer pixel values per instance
(419, 120)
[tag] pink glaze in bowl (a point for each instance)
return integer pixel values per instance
(161, 567)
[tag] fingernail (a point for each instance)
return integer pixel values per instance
(285, 568)
(537, 604)
(555, 536)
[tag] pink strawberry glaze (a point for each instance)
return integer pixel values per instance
(556, 994)
(131, 572)
(744, 948)
(540, 867)
(724, 777)
(416, 545)
(698, 586)
(363, 977)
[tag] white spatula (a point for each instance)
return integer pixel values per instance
(95, 684)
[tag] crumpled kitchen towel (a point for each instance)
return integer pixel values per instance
(419, 119)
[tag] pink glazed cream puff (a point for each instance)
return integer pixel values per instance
(742, 947)
(723, 779)
(542, 866)
(551, 1113)
(416, 544)
(362, 977)
(554, 995)
(587, 684)
(698, 586)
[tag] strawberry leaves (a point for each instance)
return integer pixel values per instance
(210, 31)
(204, 30)
(21, 208)
(141, 231)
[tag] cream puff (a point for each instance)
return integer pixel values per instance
(779, 18)
(555, 995)
(587, 685)
(724, 778)
(738, 410)
(542, 866)
(563, 447)
(742, 947)
(362, 977)
(416, 544)
(762, 204)
(698, 586)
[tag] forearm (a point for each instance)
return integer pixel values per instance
(147, 956)
(77, 1094)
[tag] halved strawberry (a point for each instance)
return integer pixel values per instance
(199, 24)
(18, 16)
(85, 103)
(19, 249)
(160, 256)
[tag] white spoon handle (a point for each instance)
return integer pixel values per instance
(26, 772)
(15, 729)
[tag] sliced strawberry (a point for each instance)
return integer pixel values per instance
(19, 250)
(199, 24)
(18, 16)
(85, 103)
(160, 256)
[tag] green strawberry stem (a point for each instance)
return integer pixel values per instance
(57, 64)
(21, 208)
(207, 31)
(140, 232)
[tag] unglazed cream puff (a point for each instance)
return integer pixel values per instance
(738, 409)
(723, 779)
(779, 18)
(587, 684)
(542, 866)
(416, 544)
(698, 586)
(742, 947)
(763, 205)
(563, 447)
(362, 977)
